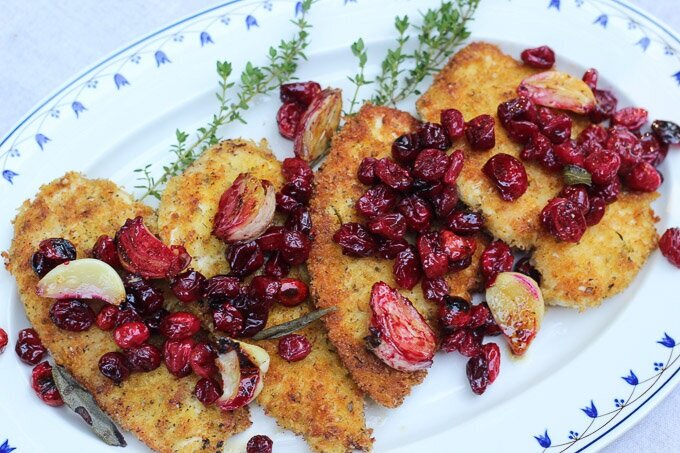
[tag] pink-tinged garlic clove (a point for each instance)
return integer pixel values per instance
(558, 90)
(242, 367)
(85, 278)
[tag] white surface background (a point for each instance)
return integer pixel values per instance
(45, 42)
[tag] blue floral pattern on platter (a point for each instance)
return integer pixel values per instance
(597, 421)
(5, 447)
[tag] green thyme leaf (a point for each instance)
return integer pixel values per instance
(573, 174)
(289, 327)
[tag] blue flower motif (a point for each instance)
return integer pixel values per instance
(267, 5)
(135, 59)
(251, 22)
(161, 58)
(14, 152)
(666, 340)
(632, 25)
(178, 38)
(9, 176)
(206, 39)
(668, 50)
(41, 140)
(644, 43)
(573, 435)
(78, 108)
(602, 20)
(590, 411)
(54, 113)
(554, 4)
(658, 366)
(619, 402)
(226, 20)
(543, 440)
(298, 8)
(5, 448)
(92, 84)
(579, 3)
(120, 80)
(631, 378)
(676, 76)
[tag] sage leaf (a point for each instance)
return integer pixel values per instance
(573, 174)
(289, 327)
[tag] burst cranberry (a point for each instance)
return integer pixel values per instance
(477, 370)
(669, 244)
(29, 348)
(406, 268)
(388, 249)
(430, 165)
(114, 366)
(259, 444)
(127, 313)
(517, 109)
(653, 151)
(624, 143)
(355, 240)
(434, 289)
(445, 202)
(4, 339)
(301, 92)
(207, 391)
(454, 313)
(609, 192)
(524, 266)
(643, 177)
(276, 266)
(390, 226)
(564, 220)
(228, 319)
(144, 358)
(597, 209)
(632, 118)
(492, 353)
(43, 385)
(288, 119)
(590, 78)
(603, 166)
(405, 148)
(292, 292)
(393, 175)
(202, 360)
(294, 168)
(558, 129)
(605, 106)
(180, 325)
(286, 203)
(456, 247)
(480, 133)
(377, 200)
(294, 348)
(255, 314)
(539, 57)
(434, 261)
(296, 247)
(433, 135)
(51, 253)
(107, 316)
(366, 172)
(416, 211)
(579, 195)
(72, 314)
(594, 133)
(465, 222)
(521, 131)
(456, 161)
(536, 148)
(105, 250)
(453, 123)
(221, 288)
(188, 286)
(667, 132)
(176, 355)
(244, 258)
(131, 334)
(508, 175)
(154, 320)
(497, 257)
(569, 153)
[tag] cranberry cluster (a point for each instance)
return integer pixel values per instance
(296, 97)
(30, 350)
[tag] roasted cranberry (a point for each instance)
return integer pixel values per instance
(355, 240)
(632, 118)
(470, 344)
(596, 211)
(366, 172)
(286, 203)
(605, 106)
(114, 366)
(624, 143)
(207, 391)
(221, 288)
(643, 177)
(480, 133)
(300, 189)
(669, 244)
(288, 119)
(434, 261)
(43, 385)
(455, 166)
(564, 220)
(461, 264)
(434, 289)
(276, 266)
(492, 353)
(433, 135)
(389, 249)
(550, 162)
(478, 315)
(144, 297)
(228, 319)
(72, 314)
(477, 370)
(667, 132)
(244, 258)
(300, 92)
(490, 327)
(590, 77)
(127, 313)
(29, 348)
(496, 258)
(292, 292)
(180, 325)
(445, 202)
(603, 166)
(465, 222)
(294, 348)
(653, 151)
(430, 165)
(454, 313)
(524, 266)
(594, 133)
(202, 360)
(579, 195)
(539, 57)
(406, 268)
(558, 129)
(536, 147)
(405, 148)
(105, 250)
(377, 200)
(521, 131)
(456, 247)
(176, 355)
(188, 286)
(609, 192)
(131, 334)
(259, 444)
(294, 168)
(453, 123)
(255, 314)
(51, 253)
(144, 358)
(508, 175)
(393, 175)
(390, 226)
(296, 247)
(272, 238)
(416, 211)
(4, 339)
(107, 316)
(517, 109)
(154, 320)
(569, 153)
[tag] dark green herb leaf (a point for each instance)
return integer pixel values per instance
(573, 174)
(292, 326)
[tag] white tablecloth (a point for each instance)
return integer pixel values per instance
(45, 42)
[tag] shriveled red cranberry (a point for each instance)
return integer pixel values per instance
(434, 289)
(405, 148)
(430, 165)
(406, 268)
(480, 133)
(521, 131)
(176, 355)
(300, 92)
(653, 151)
(564, 220)
(466, 341)
(517, 109)
(416, 211)
(669, 244)
(490, 328)
(244, 258)
(288, 119)
(276, 266)
(496, 258)
(393, 175)
(453, 123)
(590, 77)
(549, 161)
(188, 286)
(594, 133)
(478, 315)
(643, 177)
(558, 128)
(142, 295)
(286, 203)
(72, 314)
(294, 347)
(390, 226)
(667, 132)
(43, 385)
(539, 57)
(536, 147)
(465, 222)
(272, 238)
(632, 118)
(202, 360)
(154, 320)
(207, 391)
(477, 370)
(434, 261)
(609, 192)
(445, 202)
(259, 444)
(456, 247)
(293, 168)
(105, 250)
(221, 288)
(255, 314)
(455, 166)
(228, 319)
(492, 353)
(107, 316)
(508, 175)
(114, 366)
(389, 249)
(451, 341)
(579, 195)
(624, 143)
(131, 334)
(605, 106)
(144, 358)
(180, 325)
(355, 240)
(299, 189)
(454, 313)
(524, 266)
(603, 166)
(29, 348)
(4, 339)
(51, 253)
(296, 247)
(292, 292)
(433, 135)
(596, 211)
(264, 288)
(366, 172)
(461, 264)
(569, 153)
(127, 313)
(377, 200)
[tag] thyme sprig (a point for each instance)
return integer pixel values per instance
(359, 79)
(282, 63)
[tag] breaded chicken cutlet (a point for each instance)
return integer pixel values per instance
(314, 397)
(475, 81)
(344, 282)
(157, 407)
